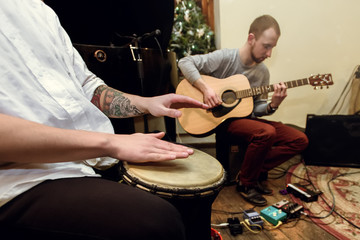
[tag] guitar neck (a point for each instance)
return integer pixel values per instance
(251, 92)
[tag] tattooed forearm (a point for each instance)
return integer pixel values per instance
(97, 96)
(114, 104)
(121, 107)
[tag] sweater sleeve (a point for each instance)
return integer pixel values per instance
(260, 102)
(206, 64)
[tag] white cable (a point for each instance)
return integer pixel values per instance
(220, 225)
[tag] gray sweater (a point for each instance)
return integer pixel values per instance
(225, 63)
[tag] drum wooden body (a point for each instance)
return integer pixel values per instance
(190, 184)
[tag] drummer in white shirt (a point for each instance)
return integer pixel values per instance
(54, 130)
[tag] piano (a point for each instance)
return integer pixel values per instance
(112, 37)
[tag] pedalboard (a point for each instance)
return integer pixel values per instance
(253, 218)
(302, 192)
(273, 215)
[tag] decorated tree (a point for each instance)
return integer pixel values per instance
(191, 34)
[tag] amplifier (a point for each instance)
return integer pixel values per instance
(334, 140)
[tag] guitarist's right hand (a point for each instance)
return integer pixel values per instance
(211, 98)
(209, 95)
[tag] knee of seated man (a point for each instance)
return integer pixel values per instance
(302, 142)
(267, 133)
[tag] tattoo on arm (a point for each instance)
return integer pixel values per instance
(113, 103)
(97, 95)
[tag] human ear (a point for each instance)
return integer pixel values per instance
(251, 38)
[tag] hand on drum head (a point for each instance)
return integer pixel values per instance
(141, 147)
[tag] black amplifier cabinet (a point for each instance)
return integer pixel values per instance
(334, 140)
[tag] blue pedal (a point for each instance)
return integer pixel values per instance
(253, 218)
(273, 215)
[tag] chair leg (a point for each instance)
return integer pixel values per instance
(230, 155)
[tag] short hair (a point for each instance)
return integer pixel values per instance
(262, 23)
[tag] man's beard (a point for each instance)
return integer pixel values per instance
(255, 59)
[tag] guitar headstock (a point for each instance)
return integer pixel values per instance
(320, 80)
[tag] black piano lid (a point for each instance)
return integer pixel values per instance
(101, 22)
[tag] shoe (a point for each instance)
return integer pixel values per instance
(263, 176)
(262, 188)
(250, 194)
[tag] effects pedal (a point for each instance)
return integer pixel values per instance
(302, 192)
(293, 210)
(253, 218)
(280, 204)
(235, 226)
(273, 215)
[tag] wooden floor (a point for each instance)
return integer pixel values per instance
(230, 204)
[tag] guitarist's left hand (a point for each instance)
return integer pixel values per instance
(279, 94)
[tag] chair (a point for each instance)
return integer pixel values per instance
(229, 153)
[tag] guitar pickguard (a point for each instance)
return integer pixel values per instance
(222, 110)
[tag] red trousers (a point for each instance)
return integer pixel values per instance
(269, 144)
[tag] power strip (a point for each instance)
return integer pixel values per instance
(273, 215)
(302, 192)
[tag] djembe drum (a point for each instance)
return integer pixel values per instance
(190, 184)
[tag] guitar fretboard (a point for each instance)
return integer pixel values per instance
(251, 92)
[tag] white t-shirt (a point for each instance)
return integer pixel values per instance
(44, 79)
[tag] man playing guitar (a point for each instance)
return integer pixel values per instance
(270, 143)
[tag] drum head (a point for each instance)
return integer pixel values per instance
(198, 173)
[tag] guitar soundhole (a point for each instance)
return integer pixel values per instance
(228, 97)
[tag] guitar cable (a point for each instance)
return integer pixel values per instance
(346, 89)
(333, 197)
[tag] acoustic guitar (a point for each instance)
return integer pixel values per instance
(237, 100)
